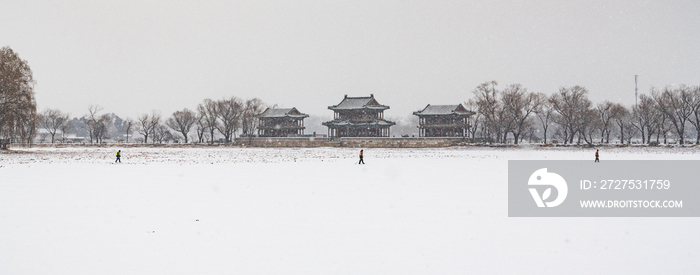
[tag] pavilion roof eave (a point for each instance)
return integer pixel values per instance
(346, 123)
(450, 114)
(373, 107)
(281, 112)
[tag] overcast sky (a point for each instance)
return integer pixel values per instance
(132, 57)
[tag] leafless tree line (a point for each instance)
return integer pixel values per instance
(226, 116)
(223, 117)
(568, 115)
(212, 117)
(53, 120)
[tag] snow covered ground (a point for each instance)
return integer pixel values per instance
(312, 211)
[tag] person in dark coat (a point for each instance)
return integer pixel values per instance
(596, 156)
(119, 156)
(361, 158)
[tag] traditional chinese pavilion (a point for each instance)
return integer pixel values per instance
(358, 117)
(443, 121)
(281, 122)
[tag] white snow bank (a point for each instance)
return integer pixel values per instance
(408, 211)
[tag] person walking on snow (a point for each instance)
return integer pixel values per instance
(596, 156)
(361, 158)
(119, 155)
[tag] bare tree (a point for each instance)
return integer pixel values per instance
(128, 128)
(52, 120)
(229, 112)
(496, 123)
(620, 115)
(590, 124)
(695, 105)
(530, 129)
(92, 122)
(603, 110)
(101, 129)
(208, 111)
(663, 126)
(18, 117)
(182, 122)
(677, 107)
(518, 105)
(147, 124)
(545, 114)
(249, 119)
(571, 105)
(65, 128)
(476, 119)
(201, 128)
(629, 130)
(644, 116)
(161, 134)
(155, 122)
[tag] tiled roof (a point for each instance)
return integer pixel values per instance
(358, 103)
(283, 112)
(444, 110)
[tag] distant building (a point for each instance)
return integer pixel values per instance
(281, 122)
(358, 117)
(443, 121)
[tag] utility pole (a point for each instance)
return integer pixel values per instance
(635, 89)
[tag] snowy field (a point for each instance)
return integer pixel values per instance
(312, 211)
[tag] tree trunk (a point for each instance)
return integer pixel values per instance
(545, 135)
(622, 136)
(665, 140)
(571, 136)
(184, 135)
